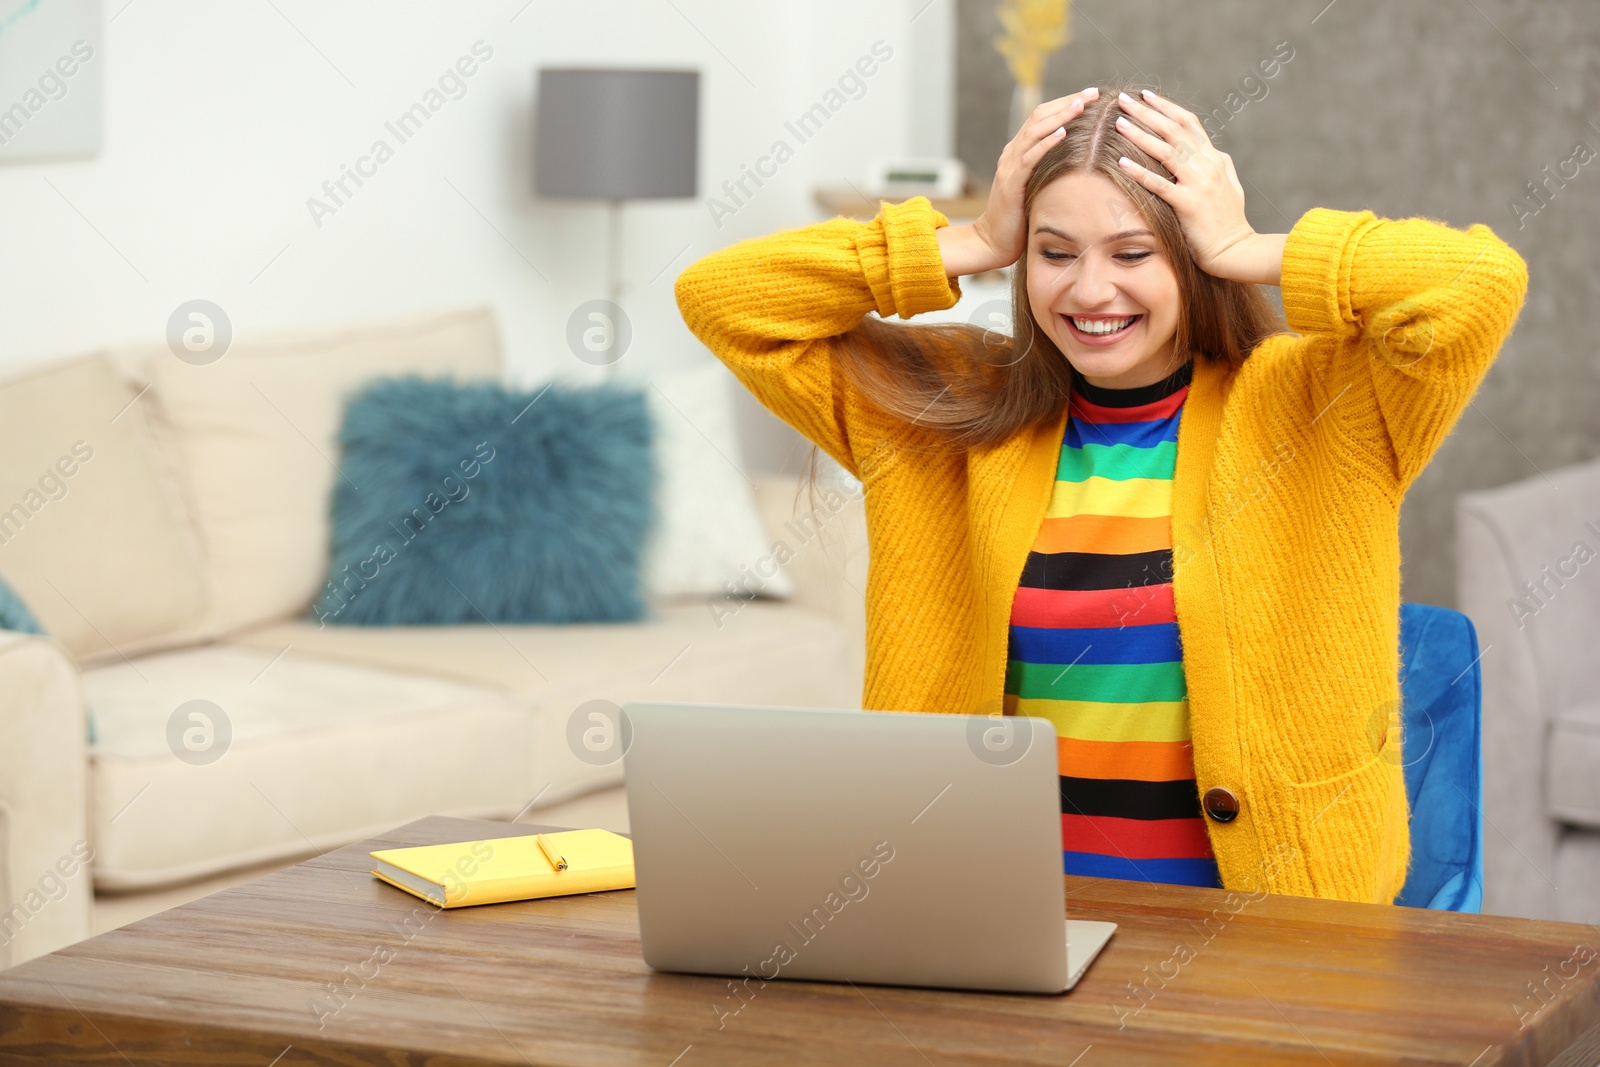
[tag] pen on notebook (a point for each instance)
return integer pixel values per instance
(558, 861)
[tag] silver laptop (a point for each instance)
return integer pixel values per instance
(830, 845)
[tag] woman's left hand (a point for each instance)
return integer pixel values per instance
(1207, 196)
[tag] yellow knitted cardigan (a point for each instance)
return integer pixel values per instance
(1286, 501)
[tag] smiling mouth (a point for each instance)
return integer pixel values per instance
(1102, 329)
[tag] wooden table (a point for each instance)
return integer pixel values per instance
(246, 977)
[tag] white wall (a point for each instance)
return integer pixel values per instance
(222, 119)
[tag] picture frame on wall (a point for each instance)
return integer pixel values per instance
(52, 55)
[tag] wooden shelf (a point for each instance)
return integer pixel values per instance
(846, 200)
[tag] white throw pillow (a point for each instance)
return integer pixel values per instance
(709, 533)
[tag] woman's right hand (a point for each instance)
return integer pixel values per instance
(999, 236)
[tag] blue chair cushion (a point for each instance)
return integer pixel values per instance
(1440, 725)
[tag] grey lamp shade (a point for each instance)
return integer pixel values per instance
(617, 134)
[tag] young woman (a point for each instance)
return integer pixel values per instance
(1153, 515)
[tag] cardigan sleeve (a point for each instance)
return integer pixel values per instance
(774, 309)
(1426, 305)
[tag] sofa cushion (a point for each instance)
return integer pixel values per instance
(221, 757)
(473, 502)
(759, 652)
(253, 436)
(764, 653)
(1572, 754)
(92, 534)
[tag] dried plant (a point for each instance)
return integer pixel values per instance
(1033, 30)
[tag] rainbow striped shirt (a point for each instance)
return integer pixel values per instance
(1094, 644)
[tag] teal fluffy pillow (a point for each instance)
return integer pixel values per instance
(461, 503)
(14, 614)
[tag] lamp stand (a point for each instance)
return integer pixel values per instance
(613, 274)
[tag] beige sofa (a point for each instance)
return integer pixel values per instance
(167, 524)
(1528, 559)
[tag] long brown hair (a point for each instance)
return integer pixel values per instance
(977, 388)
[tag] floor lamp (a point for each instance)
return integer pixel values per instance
(615, 135)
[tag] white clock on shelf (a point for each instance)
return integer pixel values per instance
(905, 177)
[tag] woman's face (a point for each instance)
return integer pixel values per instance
(1093, 262)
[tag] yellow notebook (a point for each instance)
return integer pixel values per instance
(510, 868)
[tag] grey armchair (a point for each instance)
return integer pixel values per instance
(1528, 575)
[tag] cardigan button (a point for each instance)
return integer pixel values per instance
(1221, 804)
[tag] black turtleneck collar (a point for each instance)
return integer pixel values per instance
(1141, 394)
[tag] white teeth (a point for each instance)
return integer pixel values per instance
(1103, 325)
